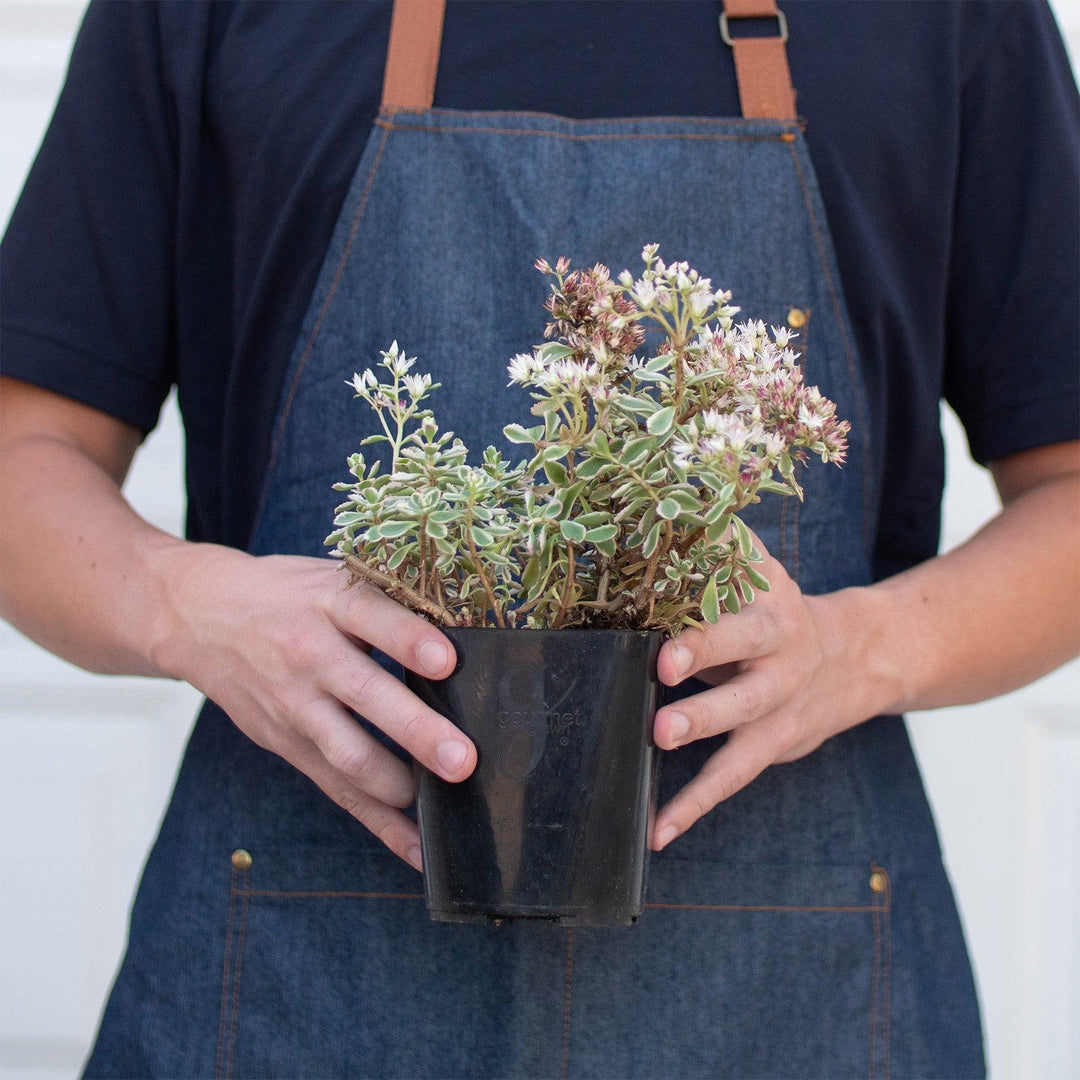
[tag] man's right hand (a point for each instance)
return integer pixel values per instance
(278, 642)
(281, 644)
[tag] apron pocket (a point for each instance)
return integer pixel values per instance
(739, 970)
(333, 968)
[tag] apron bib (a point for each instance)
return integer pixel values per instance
(806, 926)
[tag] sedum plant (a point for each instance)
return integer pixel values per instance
(624, 511)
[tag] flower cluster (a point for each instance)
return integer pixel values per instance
(625, 513)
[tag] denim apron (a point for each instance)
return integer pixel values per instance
(806, 926)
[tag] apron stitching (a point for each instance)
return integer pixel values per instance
(568, 989)
(344, 895)
(797, 508)
(888, 971)
(872, 1023)
(236, 980)
(316, 894)
(848, 355)
(761, 907)
(225, 976)
(596, 119)
(279, 433)
(575, 138)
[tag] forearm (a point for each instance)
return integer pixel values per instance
(986, 618)
(83, 574)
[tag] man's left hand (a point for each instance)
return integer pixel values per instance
(785, 676)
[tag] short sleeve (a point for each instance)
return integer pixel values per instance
(86, 307)
(1012, 329)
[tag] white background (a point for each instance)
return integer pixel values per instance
(86, 762)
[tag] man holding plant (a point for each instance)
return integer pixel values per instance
(797, 864)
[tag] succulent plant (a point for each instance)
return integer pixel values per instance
(625, 513)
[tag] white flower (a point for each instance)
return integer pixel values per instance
(417, 385)
(394, 360)
(809, 418)
(626, 279)
(700, 300)
(682, 451)
(644, 293)
(520, 368)
(774, 444)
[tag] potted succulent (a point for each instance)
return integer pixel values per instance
(556, 577)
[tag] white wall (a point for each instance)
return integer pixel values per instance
(86, 763)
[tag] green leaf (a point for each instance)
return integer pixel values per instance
(668, 509)
(390, 530)
(600, 442)
(718, 529)
(716, 512)
(710, 603)
(594, 518)
(687, 500)
(554, 453)
(747, 590)
(758, 579)
(556, 473)
(643, 406)
(481, 537)
(572, 531)
(602, 533)
(637, 450)
(399, 556)
(555, 350)
(590, 468)
(606, 548)
(531, 574)
(731, 601)
(652, 541)
(517, 434)
(742, 534)
(660, 422)
(435, 529)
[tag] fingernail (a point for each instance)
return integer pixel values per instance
(451, 755)
(678, 725)
(666, 835)
(432, 656)
(413, 855)
(680, 658)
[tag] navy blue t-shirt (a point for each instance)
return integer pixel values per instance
(173, 225)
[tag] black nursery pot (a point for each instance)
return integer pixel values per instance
(554, 822)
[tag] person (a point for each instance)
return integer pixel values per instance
(248, 201)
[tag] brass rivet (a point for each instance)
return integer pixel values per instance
(788, 136)
(878, 881)
(241, 860)
(796, 317)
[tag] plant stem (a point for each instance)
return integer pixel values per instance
(478, 567)
(568, 588)
(397, 590)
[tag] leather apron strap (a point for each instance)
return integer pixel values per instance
(761, 66)
(412, 58)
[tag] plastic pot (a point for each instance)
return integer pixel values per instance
(554, 821)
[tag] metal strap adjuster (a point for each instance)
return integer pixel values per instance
(725, 33)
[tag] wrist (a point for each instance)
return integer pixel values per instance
(858, 631)
(187, 573)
